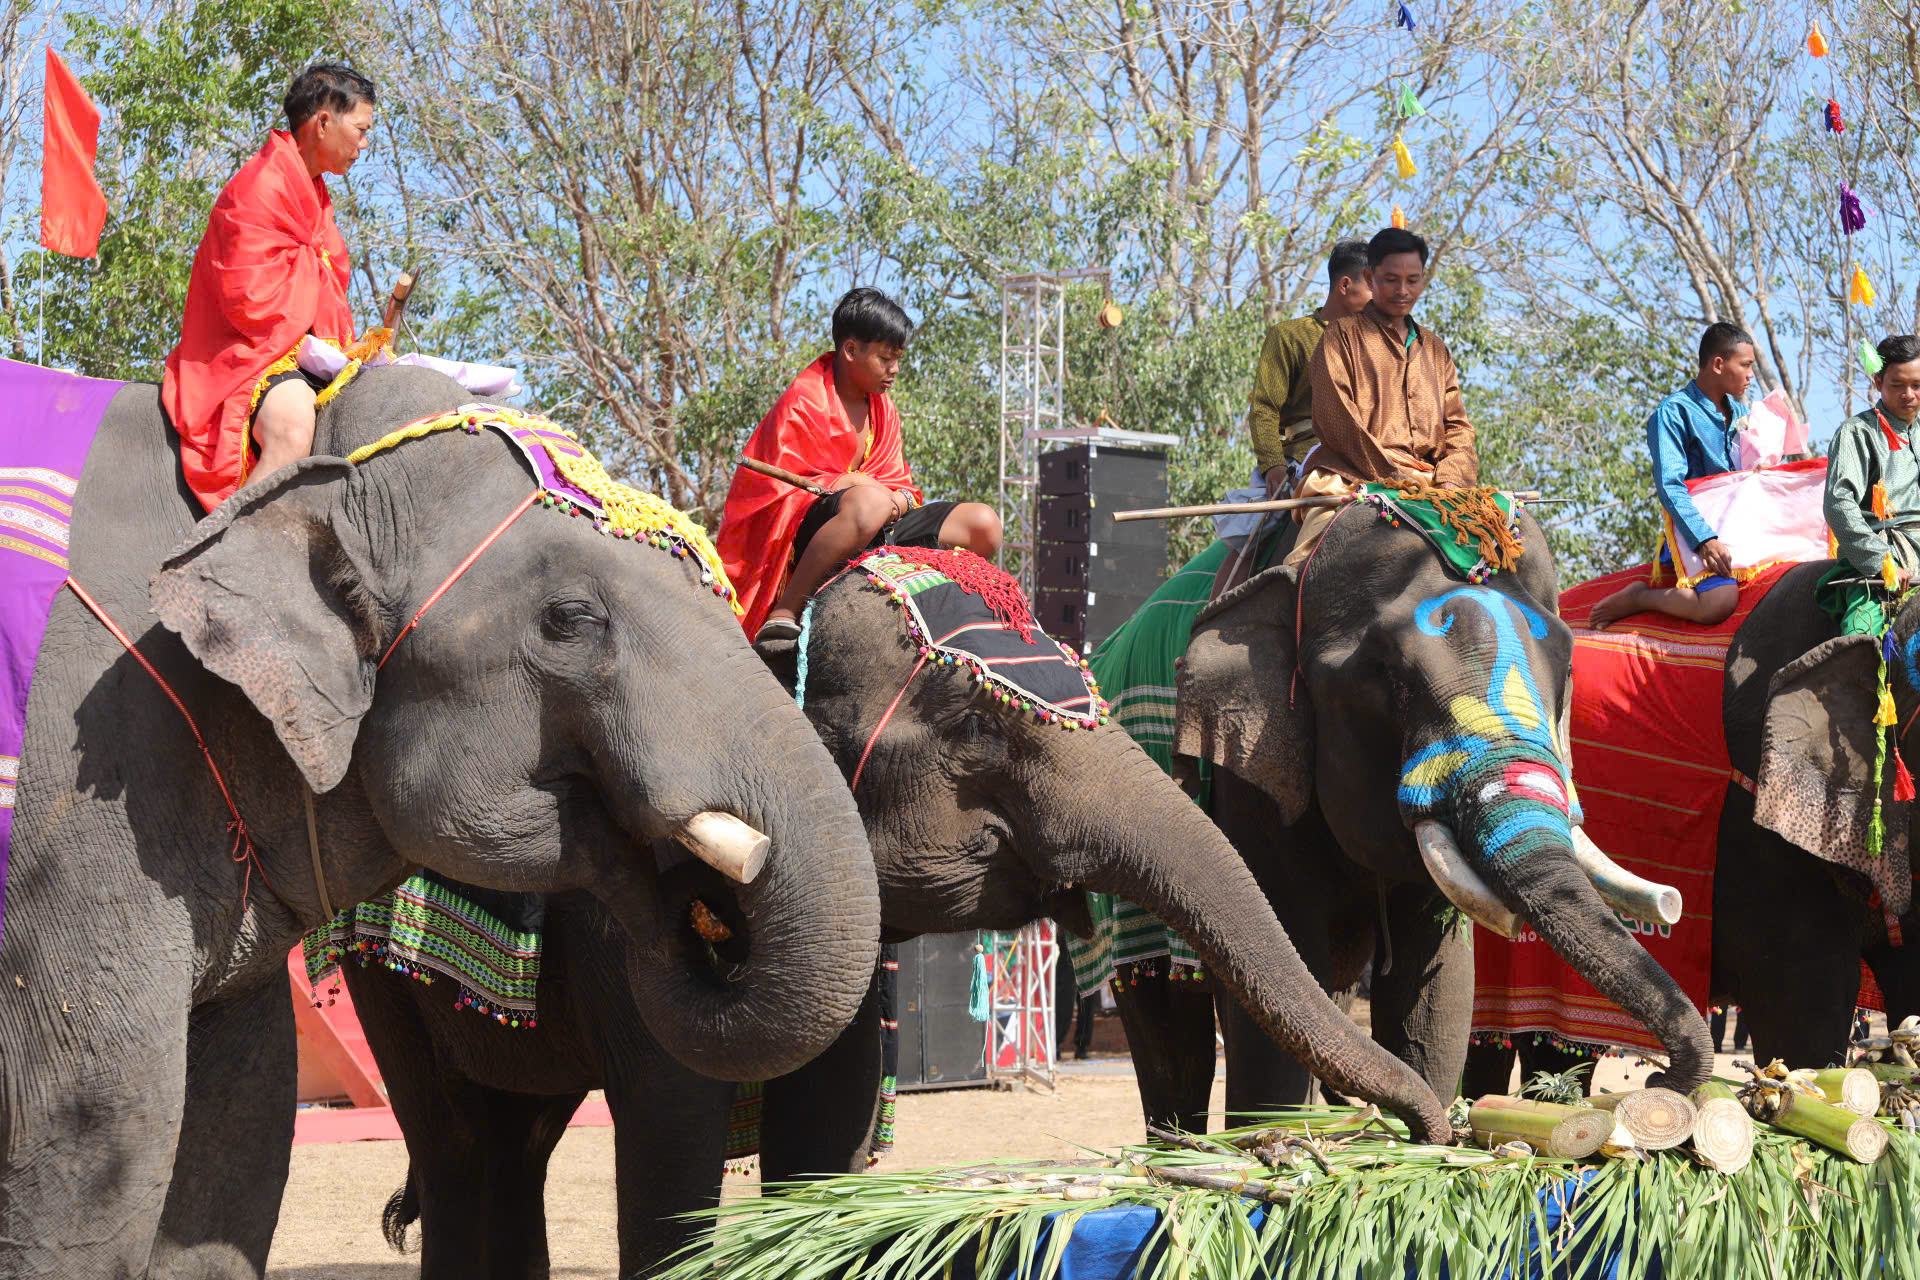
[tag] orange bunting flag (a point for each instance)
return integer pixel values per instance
(1403, 158)
(1816, 43)
(1861, 290)
(1399, 219)
(72, 209)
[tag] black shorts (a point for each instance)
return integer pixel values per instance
(315, 381)
(920, 527)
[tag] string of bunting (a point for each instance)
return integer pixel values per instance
(1406, 108)
(1852, 213)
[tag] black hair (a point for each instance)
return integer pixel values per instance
(1394, 240)
(1722, 339)
(324, 86)
(869, 315)
(1901, 348)
(1346, 261)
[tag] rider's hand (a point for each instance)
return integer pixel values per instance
(1717, 559)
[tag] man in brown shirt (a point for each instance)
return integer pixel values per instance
(1280, 414)
(1386, 396)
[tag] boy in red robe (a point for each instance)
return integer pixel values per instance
(836, 426)
(270, 269)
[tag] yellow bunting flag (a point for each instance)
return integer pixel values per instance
(1399, 219)
(1862, 289)
(1403, 158)
(1816, 43)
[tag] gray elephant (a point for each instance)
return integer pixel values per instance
(572, 698)
(979, 815)
(1379, 726)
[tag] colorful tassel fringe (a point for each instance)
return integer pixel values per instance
(1403, 158)
(1861, 290)
(1852, 216)
(1816, 43)
(1399, 219)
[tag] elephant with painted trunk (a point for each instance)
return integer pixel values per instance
(571, 699)
(980, 815)
(1387, 738)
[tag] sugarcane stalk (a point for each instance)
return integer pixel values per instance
(1849, 1088)
(1818, 1120)
(1568, 1132)
(1722, 1128)
(1252, 1188)
(1889, 1072)
(1656, 1118)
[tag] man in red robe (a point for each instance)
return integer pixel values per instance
(270, 269)
(837, 427)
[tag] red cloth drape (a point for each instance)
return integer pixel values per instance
(72, 209)
(270, 269)
(808, 433)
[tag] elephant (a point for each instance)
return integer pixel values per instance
(571, 699)
(1379, 727)
(978, 817)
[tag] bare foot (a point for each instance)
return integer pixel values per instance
(1622, 603)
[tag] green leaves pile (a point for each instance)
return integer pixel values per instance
(1363, 1203)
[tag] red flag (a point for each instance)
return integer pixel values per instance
(72, 208)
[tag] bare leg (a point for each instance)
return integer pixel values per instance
(1705, 608)
(864, 511)
(973, 525)
(283, 426)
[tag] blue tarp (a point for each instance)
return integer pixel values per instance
(1110, 1244)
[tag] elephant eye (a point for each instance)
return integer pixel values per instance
(973, 726)
(570, 619)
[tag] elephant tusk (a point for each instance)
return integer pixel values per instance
(726, 844)
(1461, 883)
(1625, 892)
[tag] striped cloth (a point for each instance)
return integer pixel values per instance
(1134, 669)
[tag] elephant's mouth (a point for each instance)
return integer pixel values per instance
(706, 926)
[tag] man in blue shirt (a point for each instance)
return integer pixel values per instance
(1691, 435)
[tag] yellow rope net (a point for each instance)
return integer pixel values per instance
(624, 511)
(1475, 516)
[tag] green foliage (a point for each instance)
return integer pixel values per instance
(185, 96)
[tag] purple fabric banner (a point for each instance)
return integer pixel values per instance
(45, 432)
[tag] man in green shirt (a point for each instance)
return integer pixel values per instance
(1280, 417)
(1873, 493)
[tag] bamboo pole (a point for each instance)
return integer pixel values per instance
(1857, 1137)
(1270, 504)
(1849, 1088)
(1569, 1132)
(1655, 1118)
(1722, 1128)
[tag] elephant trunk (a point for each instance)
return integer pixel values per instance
(1561, 903)
(1183, 870)
(748, 976)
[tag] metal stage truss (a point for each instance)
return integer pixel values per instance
(1020, 1024)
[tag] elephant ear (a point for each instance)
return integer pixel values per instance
(263, 595)
(1815, 787)
(1238, 703)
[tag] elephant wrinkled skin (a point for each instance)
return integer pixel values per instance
(571, 700)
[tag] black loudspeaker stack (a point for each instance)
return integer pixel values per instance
(1090, 571)
(941, 1046)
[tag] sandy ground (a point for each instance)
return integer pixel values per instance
(330, 1225)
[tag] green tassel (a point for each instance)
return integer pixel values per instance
(1409, 104)
(1870, 359)
(980, 994)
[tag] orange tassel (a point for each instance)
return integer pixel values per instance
(1862, 288)
(1399, 219)
(1816, 43)
(1880, 502)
